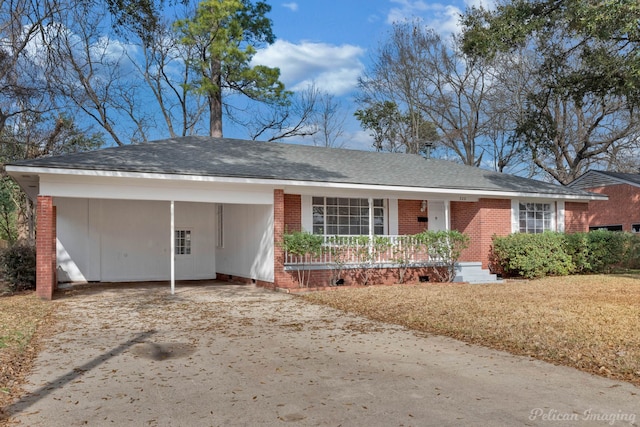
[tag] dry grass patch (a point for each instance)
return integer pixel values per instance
(588, 322)
(21, 319)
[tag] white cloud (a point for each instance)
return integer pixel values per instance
(486, 4)
(293, 6)
(443, 18)
(334, 69)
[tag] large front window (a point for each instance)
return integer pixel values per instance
(343, 216)
(535, 217)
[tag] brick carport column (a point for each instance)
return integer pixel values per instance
(45, 247)
(278, 232)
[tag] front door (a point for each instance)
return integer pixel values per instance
(437, 216)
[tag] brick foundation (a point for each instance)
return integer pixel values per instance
(354, 277)
(45, 247)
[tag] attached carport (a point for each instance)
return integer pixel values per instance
(111, 226)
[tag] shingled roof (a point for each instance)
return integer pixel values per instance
(225, 157)
(595, 178)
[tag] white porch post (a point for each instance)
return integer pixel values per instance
(447, 215)
(371, 228)
(173, 249)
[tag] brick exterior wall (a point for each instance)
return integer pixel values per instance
(280, 277)
(45, 247)
(408, 213)
(293, 212)
(576, 217)
(622, 208)
(480, 221)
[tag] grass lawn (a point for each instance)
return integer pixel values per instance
(22, 317)
(588, 322)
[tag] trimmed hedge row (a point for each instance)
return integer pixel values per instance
(558, 254)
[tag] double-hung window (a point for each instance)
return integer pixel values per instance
(345, 216)
(535, 217)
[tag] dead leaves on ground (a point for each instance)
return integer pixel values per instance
(588, 322)
(22, 317)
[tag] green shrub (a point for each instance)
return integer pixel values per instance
(532, 255)
(598, 251)
(446, 246)
(302, 244)
(18, 265)
(579, 250)
(632, 254)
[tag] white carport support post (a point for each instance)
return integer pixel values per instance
(371, 227)
(173, 249)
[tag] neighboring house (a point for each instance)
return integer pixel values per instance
(222, 205)
(622, 211)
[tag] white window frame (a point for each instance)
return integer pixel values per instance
(309, 224)
(185, 249)
(556, 214)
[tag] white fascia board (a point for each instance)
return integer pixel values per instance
(298, 187)
(92, 187)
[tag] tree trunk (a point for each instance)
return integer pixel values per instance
(215, 100)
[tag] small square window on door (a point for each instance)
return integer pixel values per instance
(183, 242)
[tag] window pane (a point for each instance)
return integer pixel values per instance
(332, 210)
(343, 220)
(354, 210)
(332, 201)
(343, 210)
(343, 202)
(332, 229)
(343, 229)
(318, 201)
(318, 229)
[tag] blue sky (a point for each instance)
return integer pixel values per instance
(329, 43)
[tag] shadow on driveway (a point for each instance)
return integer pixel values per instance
(226, 355)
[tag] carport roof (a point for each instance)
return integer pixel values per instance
(234, 158)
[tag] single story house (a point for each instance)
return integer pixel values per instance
(201, 208)
(621, 212)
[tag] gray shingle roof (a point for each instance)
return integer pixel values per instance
(596, 178)
(224, 157)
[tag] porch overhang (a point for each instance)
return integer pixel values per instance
(206, 188)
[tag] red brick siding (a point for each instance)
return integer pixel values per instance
(45, 247)
(293, 212)
(408, 213)
(622, 208)
(576, 217)
(378, 276)
(280, 277)
(480, 221)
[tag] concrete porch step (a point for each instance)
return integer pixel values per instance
(472, 272)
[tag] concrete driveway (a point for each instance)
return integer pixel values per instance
(231, 355)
